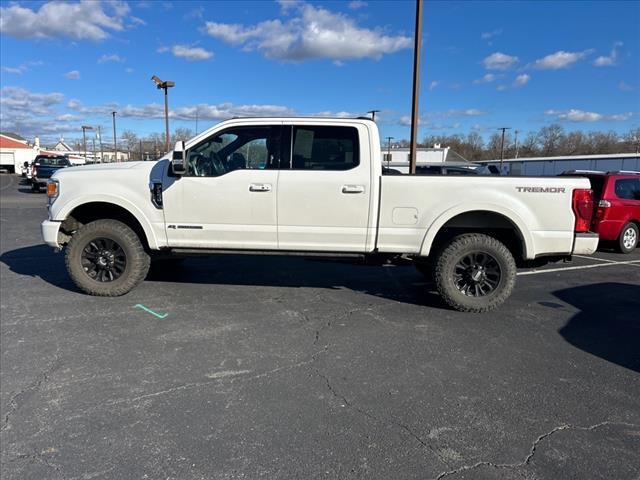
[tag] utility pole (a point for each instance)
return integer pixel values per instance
(502, 147)
(100, 140)
(389, 150)
(196, 120)
(93, 141)
(373, 114)
(115, 144)
(416, 88)
(141, 150)
(517, 131)
(84, 139)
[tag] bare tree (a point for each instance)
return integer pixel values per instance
(551, 138)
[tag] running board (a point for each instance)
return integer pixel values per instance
(286, 253)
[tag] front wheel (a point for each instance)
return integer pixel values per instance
(475, 273)
(106, 258)
(628, 240)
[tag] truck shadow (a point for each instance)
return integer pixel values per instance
(402, 284)
(608, 324)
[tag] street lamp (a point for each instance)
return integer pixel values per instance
(373, 114)
(389, 150)
(165, 85)
(84, 139)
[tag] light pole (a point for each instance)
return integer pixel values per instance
(84, 139)
(165, 85)
(100, 140)
(416, 88)
(502, 147)
(516, 132)
(373, 114)
(115, 144)
(389, 150)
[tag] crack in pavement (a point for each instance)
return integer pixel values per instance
(12, 406)
(375, 418)
(532, 451)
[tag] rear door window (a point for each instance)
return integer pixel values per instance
(324, 148)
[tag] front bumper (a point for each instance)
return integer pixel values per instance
(585, 243)
(50, 233)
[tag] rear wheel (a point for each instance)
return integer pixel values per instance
(628, 240)
(106, 258)
(475, 273)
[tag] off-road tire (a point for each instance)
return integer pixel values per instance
(461, 246)
(629, 229)
(137, 259)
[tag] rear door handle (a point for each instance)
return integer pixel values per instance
(353, 189)
(259, 187)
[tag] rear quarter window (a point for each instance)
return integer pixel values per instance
(628, 188)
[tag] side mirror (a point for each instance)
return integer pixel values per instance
(178, 160)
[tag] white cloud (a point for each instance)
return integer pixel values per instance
(110, 58)
(487, 78)
(502, 88)
(312, 33)
(499, 61)
(86, 20)
(356, 4)
(469, 112)
(560, 59)
(575, 115)
(191, 54)
(20, 69)
(73, 75)
(491, 34)
(521, 80)
(433, 85)
(611, 60)
(424, 121)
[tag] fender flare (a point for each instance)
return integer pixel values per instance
(444, 217)
(114, 200)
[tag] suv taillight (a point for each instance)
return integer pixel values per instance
(583, 209)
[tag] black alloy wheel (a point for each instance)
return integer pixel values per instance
(103, 260)
(477, 274)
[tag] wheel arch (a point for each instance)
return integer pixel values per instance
(501, 222)
(83, 212)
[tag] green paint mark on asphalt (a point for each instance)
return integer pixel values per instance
(148, 310)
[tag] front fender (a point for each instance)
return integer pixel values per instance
(456, 210)
(65, 210)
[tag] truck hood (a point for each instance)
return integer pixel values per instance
(109, 166)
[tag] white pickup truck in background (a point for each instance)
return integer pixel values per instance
(311, 186)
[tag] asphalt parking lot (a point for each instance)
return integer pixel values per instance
(257, 367)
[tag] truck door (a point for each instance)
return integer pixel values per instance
(324, 188)
(227, 198)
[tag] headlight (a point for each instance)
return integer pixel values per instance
(53, 189)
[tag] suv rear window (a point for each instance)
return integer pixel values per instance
(628, 188)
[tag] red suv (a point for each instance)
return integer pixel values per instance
(617, 196)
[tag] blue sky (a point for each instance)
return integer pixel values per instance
(484, 65)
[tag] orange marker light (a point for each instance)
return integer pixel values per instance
(52, 189)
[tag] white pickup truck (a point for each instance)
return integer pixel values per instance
(311, 186)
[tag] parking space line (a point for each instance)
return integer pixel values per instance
(632, 263)
(595, 258)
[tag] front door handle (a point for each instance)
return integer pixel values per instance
(352, 189)
(259, 187)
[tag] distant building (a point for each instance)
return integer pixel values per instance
(14, 151)
(542, 166)
(398, 158)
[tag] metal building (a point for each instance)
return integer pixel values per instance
(554, 165)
